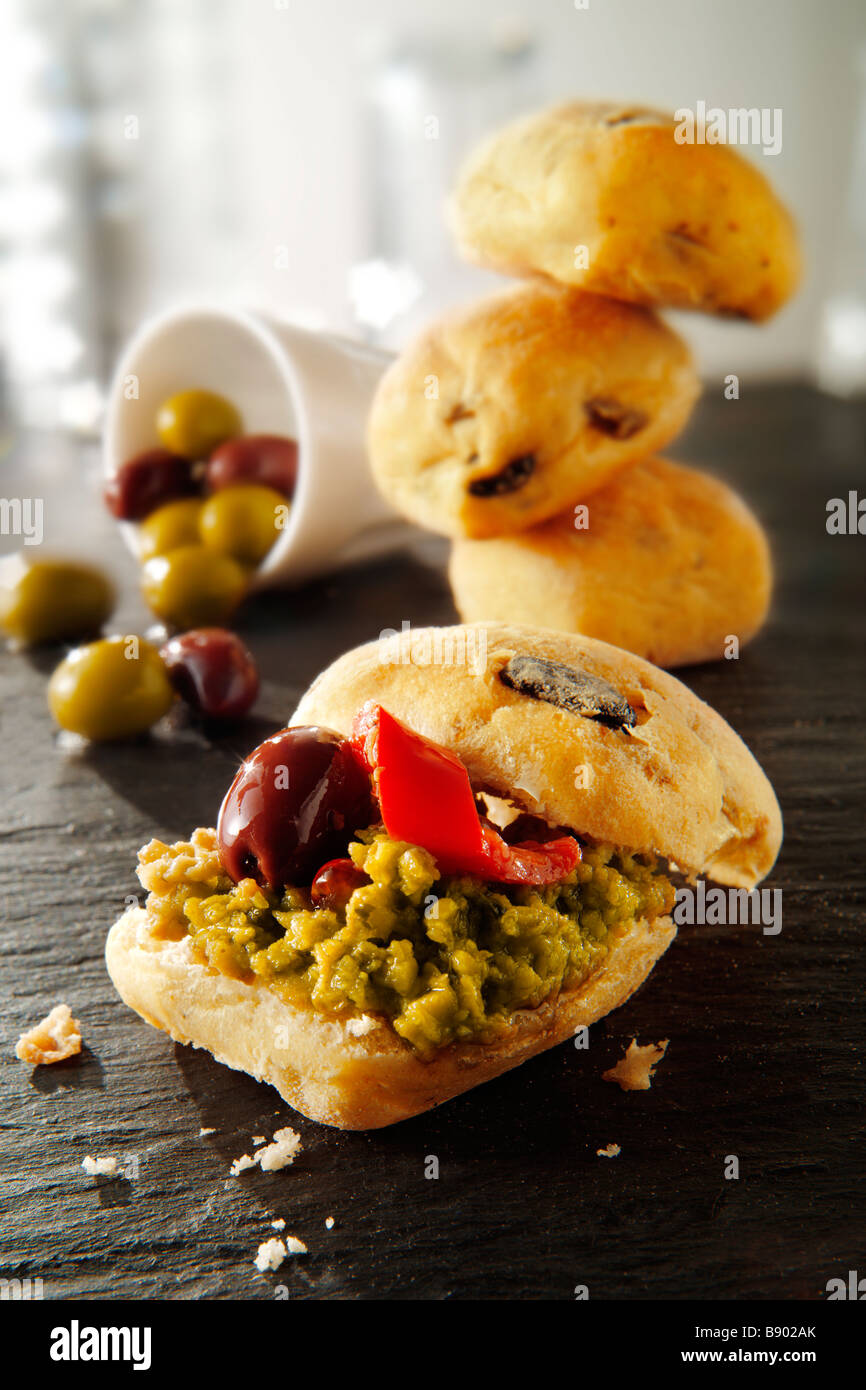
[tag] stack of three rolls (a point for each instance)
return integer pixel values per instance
(527, 425)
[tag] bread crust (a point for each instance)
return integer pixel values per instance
(315, 1062)
(681, 783)
(670, 565)
(566, 387)
(692, 226)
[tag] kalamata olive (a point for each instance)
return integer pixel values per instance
(193, 586)
(335, 883)
(295, 803)
(48, 600)
(212, 670)
(243, 521)
(143, 483)
(195, 422)
(529, 827)
(110, 689)
(269, 459)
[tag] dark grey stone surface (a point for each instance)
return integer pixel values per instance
(766, 1033)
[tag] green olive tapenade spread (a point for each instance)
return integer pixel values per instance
(444, 959)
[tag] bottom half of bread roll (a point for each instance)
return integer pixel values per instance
(331, 1069)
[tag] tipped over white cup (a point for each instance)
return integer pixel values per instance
(315, 388)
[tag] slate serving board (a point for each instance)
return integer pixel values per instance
(766, 1033)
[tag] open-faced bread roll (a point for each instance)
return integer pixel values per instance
(615, 761)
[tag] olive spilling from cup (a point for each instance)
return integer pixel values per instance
(217, 495)
(147, 481)
(242, 521)
(52, 600)
(295, 804)
(267, 459)
(209, 504)
(111, 689)
(171, 526)
(193, 586)
(195, 422)
(213, 672)
(121, 686)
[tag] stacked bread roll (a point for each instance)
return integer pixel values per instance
(526, 426)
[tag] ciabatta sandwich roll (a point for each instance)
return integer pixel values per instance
(455, 855)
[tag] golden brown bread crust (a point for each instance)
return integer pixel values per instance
(681, 783)
(693, 226)
(671, 564)
(562, 386)
(315, 1062)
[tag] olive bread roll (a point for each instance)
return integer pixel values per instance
(604, 197)
(664, 560)
(504, 413)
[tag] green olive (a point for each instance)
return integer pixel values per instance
(49, 600)
(193, 423)
(193, 586)
(243, 520)
(111, 689)
(172, 525)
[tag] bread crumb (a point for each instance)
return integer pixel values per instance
(359, 1027)
(281, 1152)
(276, 1155)
(270, 1254)
(203, 1132)
(57, 1037)
(329, 1223)
(611, 1151)
(279, 1224)
(100, 1167)
(635, 1071)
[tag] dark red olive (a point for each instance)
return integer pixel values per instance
(268, 459)
(526, 827)
(212, 670)
(296, 802)
(335, 883)
(143, 483)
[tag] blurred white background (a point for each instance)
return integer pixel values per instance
(279, 153)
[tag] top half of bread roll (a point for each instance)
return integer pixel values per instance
(653, 769)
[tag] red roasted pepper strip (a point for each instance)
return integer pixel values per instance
(423, 790)
(426, 799)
